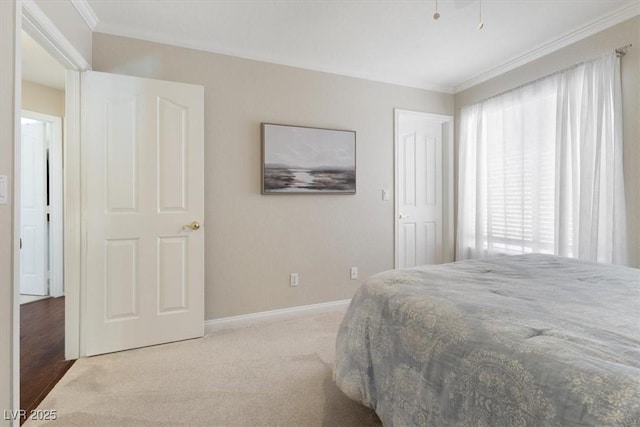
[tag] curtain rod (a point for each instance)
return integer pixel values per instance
(622, 51)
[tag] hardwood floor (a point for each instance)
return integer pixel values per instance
(42, 361)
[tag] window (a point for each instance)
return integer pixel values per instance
(537, 164)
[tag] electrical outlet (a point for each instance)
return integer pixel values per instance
(293, 279)
(354, 273)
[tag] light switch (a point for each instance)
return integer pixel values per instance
(385, 195)
(3, 189)
(293, 279)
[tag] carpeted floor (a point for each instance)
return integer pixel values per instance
(272, 374)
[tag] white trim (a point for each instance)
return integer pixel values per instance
(590, 29)
(396, 209)
(56, 245)
(38, 25)
(56, 203)
(86, 12)
(72, 215)
(446, 121)
(285, 313)
(17, 108)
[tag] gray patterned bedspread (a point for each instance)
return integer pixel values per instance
(531, 340)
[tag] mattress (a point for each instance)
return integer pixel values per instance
(521, 340)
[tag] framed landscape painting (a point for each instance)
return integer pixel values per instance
(305, 160)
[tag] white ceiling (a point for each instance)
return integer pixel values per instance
(391, 41)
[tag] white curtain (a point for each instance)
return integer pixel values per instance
(540, 168)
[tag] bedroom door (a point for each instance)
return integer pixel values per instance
(143, 188)
(424, 192)
(33, 213)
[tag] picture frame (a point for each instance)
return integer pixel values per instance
(307, 160)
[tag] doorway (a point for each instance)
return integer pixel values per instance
(41, 261)
(423, 188)
(42, 308)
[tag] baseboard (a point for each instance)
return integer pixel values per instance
(285, 313)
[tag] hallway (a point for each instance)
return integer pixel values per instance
(42, 361)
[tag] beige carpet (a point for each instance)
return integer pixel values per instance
(272, 374)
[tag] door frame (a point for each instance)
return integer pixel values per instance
(446, 121)
(55, 234)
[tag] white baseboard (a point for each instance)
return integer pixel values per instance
(285, 313)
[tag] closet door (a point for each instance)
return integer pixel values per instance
(423, 192)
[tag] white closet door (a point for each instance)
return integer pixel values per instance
(422, 175)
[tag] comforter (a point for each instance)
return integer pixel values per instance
(511, 341)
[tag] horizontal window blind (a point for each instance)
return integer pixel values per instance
(520, 155)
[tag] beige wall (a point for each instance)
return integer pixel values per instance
(625, 33)
(254, 241)
(42, 99)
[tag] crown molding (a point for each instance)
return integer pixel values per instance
(614, 18)
(38, 25)
(86, 12)
(120, 31)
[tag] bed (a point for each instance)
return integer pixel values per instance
(508, 341)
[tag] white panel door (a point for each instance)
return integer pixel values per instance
(33, 216)
(143, 189)
(422, 189)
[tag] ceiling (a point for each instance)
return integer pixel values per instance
(393, 41)
(390, 41)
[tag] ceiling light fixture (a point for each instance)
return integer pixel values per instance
(436, 14)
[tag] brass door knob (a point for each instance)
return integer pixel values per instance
(195, 225)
